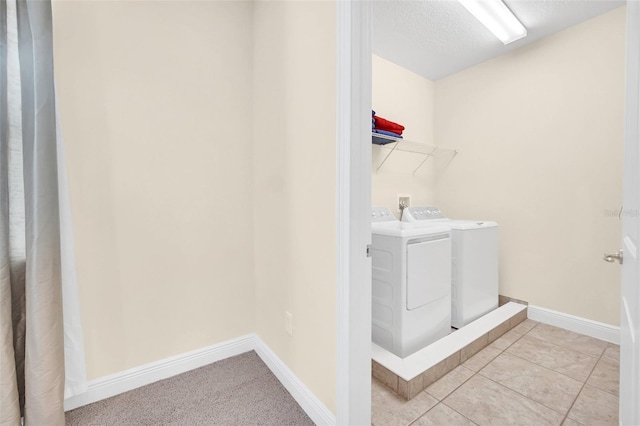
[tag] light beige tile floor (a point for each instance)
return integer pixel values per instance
(535, 374)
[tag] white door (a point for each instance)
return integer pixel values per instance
(630, 321)
(428, 272)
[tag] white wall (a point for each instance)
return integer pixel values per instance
(201, 151)
(156, 109)
(540, 134)
(294, 186)
(200, 142)
(402, 96)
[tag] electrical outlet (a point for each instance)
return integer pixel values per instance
(404, 201)
(288, 323)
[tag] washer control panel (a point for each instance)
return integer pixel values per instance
(382, 214)
(411, 214)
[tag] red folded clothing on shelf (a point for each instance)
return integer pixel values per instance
(390, 126)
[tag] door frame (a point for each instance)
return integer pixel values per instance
(353, 206)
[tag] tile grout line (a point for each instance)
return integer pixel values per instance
(550, 369)
(582, 388)
(501, 352)
(528, 331)
(604, 358)
(525, 396)
(598, 358)
(475, 373)
(513, 343)
(478, 373)
(566, 348)
(441, 401)
(528, 398)
(459, 411)
(520, 335)
(462, 365)
(570, 348)
(583, 382)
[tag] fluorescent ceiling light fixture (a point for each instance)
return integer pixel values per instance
(497, 17)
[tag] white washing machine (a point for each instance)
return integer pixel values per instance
(474, 282)
(411, 283)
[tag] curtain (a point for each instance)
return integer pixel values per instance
(39, 321)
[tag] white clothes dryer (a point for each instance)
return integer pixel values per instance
(474, 282)
(411, 283)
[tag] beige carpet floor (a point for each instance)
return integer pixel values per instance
(236, 391)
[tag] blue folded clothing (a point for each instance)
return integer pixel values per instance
(378, 140)
(384, 132)
(373, 112)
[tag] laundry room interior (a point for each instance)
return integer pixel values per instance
(531, 139)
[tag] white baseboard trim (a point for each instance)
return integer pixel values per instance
(134, 378)
(303, 396)
(599, 330)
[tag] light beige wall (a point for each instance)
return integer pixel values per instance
(540, 134)
(406, 98)
(155, 101)
(295, 188)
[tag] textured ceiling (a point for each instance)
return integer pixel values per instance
(436, 38)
